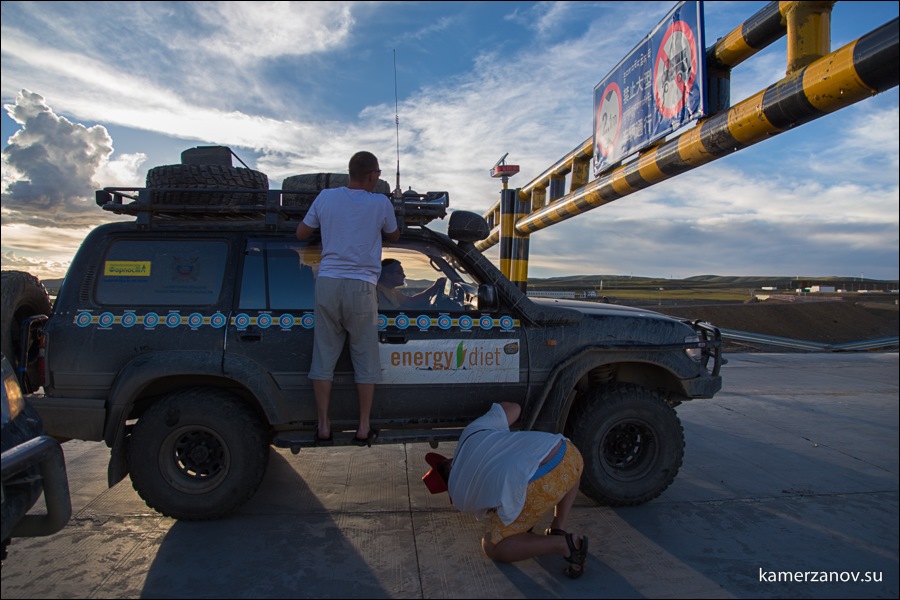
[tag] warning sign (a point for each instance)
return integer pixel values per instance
(657, 88)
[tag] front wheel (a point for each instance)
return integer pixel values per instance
(197, 455)
(632, 443)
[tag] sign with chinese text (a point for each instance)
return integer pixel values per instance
(658, 88)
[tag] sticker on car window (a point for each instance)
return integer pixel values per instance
(127, 268)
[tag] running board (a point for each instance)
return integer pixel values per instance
(307, 438)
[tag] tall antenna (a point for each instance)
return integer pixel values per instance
(397, 192)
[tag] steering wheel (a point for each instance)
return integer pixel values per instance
(452, 301)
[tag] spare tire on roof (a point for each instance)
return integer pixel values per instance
(207, 177)
(309, 185)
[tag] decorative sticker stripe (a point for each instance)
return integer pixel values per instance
(285, 321)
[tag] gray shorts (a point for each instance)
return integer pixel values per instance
(346, 308)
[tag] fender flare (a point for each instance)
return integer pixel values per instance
(557, 390)
(144, 370)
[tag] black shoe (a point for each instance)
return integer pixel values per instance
(367, 441)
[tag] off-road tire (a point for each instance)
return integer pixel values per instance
(207, 177)
(632, 443)
(198, 454)
(23, 296)
(309, 185)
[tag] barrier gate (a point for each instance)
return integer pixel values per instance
(817, 82)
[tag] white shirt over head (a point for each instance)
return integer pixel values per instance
(492, 465)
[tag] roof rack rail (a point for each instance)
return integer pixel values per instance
(272, 206)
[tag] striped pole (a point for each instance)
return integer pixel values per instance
(857, 71)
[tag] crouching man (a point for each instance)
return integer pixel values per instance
(514, 478)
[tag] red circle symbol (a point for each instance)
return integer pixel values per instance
(609, 119)
(675, 69)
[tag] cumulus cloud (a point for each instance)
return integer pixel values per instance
(50, 164)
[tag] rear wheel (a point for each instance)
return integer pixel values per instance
(198, 454)
(632, 443)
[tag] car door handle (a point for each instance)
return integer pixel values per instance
(393, 338)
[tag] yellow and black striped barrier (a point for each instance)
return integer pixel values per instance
(817, 83)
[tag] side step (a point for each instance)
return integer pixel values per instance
(295, 440)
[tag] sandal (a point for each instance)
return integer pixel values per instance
(366, 441)
(552, 531)
(326, 441)
(577, 556)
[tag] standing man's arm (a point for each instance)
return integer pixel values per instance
(304, 231)
(391, 237)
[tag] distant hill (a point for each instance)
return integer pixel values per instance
(594, 282)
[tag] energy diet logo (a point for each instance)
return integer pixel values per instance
(466, 355)
(447, 361)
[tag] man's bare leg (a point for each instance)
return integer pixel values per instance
(366, 393)
(562, 508)
(527, 545)
(322, 393)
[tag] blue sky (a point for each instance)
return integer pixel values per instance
(97, 93)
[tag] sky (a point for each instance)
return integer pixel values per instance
(95, 94)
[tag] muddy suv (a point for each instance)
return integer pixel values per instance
(183, 339)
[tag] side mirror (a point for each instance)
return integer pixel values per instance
(487, 298)
(465, 226)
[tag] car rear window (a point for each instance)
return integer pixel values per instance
(162, 273)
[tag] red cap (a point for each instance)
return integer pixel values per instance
(433, 479)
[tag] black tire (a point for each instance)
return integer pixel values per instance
(632, 443)
(198, 454)
(23, 296)
(309, 185)
(207, 177)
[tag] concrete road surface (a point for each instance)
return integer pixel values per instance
(789, 489)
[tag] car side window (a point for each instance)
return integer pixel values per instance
(422, 277)
(279, 275)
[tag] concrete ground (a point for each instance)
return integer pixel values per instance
(789, 489)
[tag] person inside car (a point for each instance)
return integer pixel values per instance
(392, 278)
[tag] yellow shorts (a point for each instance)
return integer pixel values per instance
(542, 495)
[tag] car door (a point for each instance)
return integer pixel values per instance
(444, 360)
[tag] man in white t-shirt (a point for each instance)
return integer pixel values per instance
(514, 478)
(353, 221)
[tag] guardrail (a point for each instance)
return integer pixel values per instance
(774, 340)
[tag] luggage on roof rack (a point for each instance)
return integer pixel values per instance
(149, 205)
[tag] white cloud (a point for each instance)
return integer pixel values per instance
(52, 164)
(254, 31)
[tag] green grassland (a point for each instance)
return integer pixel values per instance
(708, 288)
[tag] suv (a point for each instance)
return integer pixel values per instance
(183, 340)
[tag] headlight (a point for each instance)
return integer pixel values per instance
(694, 348)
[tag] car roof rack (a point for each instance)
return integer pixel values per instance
(273, 207)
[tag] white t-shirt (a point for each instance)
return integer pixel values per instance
(351, 223)
(491, 469)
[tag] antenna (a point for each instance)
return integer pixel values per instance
(397, 192)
